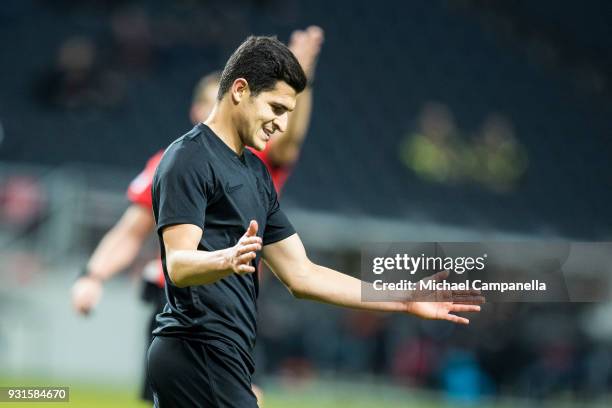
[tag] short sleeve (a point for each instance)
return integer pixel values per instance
(278, 226)
(181, 186)
(139, 190)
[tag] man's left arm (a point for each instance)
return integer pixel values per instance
(307, 280)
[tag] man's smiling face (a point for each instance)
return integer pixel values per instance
(266, 114)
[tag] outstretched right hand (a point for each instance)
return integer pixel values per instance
(242, 254)
(86, 293)
(443, 304)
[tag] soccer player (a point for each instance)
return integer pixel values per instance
(217, 214)
(120, 246)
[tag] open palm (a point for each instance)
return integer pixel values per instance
(443, 304)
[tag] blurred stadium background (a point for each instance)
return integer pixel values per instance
(436, 120)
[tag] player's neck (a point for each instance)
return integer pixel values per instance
(220, 122)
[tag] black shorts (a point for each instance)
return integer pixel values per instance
(189, 373)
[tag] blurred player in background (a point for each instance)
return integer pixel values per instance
(121, 245)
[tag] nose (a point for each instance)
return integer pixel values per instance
(280, 122)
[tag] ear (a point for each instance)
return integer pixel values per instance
(239, 90)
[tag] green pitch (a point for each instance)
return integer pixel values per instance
(317, 395)
(321, 394)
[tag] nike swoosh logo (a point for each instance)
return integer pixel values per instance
(231, 189)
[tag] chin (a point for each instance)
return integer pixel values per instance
(259, 146)
(254, 142)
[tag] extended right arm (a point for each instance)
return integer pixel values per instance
(121, 244)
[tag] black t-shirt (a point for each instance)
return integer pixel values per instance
(201, 181)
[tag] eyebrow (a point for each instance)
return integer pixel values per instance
(281, 105)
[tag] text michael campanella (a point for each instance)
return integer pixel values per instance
(459, 265)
